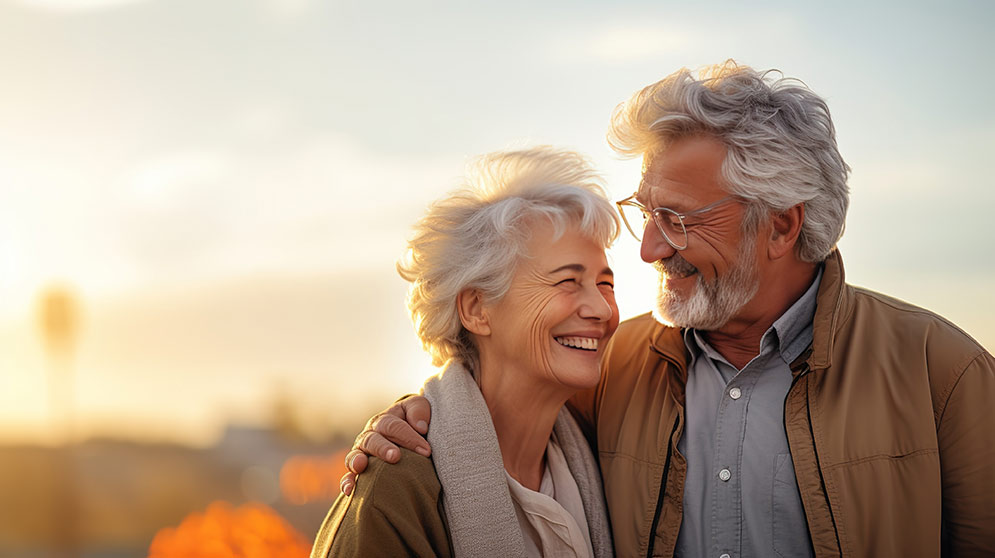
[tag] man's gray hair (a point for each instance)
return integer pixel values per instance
(474, 238)
(780, 139)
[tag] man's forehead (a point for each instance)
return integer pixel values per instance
(656, 189)
(657, 197)
(650, 175)
(682, 174)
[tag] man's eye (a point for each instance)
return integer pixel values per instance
(608, 284)
(567, 282)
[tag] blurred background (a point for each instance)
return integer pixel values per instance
(201, 203)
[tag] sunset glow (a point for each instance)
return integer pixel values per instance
(202, 204)
(305, 479)
(224, 531)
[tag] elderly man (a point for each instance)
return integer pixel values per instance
(767, 407)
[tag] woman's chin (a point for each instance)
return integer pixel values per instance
(583, 371)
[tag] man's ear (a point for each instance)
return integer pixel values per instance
(470, 304)
(785, 228)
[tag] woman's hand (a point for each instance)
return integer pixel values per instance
(404, 423)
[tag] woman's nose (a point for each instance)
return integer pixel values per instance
(596, 305)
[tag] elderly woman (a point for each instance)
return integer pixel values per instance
(511, 291)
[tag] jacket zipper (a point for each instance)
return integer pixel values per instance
(663, 489)
(803, 370)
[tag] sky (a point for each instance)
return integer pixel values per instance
(225, 186)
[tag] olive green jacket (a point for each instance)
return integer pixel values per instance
(395, 510)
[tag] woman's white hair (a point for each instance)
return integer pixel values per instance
(780, 139)
(474, 238)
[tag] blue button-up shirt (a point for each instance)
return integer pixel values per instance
(741, 498)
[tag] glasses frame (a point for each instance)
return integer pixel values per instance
(660, 213)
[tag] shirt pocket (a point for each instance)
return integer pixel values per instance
(789, 529)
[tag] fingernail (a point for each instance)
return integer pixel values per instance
(422, 425)
(352, 462)
(346, 487)
(423, 450)
(391, 454)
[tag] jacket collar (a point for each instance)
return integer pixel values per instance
(833, 303)
(668, 342)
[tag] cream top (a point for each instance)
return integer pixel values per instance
(552, 520)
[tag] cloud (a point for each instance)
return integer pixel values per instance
(75, 6)
(326, 201)
(618, 43)
(927, 169)
(692, 39)
(905, 177)
(169, 179)
(636, 42)
(289, 9)
(259, 120)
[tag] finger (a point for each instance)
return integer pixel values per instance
(348, 483)
(418, 412)
(372, 443)
(400, 432)
(355, 461)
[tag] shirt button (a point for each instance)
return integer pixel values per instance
(735, 393)
(725, 475)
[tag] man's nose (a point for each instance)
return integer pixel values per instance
(654, 246)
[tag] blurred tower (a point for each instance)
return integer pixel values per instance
(58, 317)
(57, 320)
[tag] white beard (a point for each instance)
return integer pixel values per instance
(711, 305)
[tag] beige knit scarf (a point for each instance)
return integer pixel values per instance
(476, 498)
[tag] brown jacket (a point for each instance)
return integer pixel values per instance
(889, 420)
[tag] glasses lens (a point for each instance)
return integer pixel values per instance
(635, 219)
(672, 227)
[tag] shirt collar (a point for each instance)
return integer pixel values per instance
(794, 327)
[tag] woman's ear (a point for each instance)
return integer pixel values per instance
(786, 227)
(470, 304)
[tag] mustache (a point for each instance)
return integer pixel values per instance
(675, 265)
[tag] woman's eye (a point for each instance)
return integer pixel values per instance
(567, 282)
(607, 284)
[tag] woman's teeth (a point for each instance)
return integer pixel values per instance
(585, 343)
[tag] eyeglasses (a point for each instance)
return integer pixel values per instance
(671, 223)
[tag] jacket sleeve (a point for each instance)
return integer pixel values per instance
(393, 511)
(966, 435)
